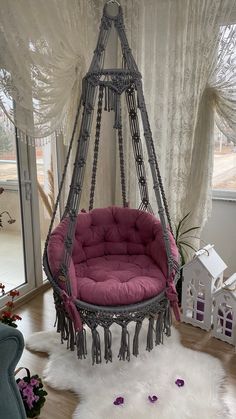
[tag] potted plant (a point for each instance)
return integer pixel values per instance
(32, 393)
(184, 238)
(8, 316)
(30, 387)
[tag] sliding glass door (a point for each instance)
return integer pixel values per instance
(16, 234)
(47, 188)
(29, 185)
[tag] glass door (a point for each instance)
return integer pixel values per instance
(28, 189)
(47, 187)
(16, 252)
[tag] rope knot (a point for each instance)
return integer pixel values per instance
(71, 309)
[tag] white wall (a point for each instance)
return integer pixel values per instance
(220, 230)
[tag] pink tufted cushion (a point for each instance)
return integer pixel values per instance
(118, 256)
(118, 279)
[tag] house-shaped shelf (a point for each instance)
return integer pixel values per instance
(224, 312)
(201, 277)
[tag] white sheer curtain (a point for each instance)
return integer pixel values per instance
(176, 44)
(222, 82)
(186, 62)
(44, 54)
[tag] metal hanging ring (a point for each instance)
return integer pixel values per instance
(112, 14)
(113, 1)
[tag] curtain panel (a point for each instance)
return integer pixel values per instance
(185, 51)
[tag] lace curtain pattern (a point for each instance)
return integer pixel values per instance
(222, 82)
(44, 47)
(188, 68)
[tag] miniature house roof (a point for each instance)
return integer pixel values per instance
(229, 285)
(210, 260)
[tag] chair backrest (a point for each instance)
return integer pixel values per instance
(11, 348)
(112, 231)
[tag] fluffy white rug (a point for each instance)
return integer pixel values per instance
(151, 374)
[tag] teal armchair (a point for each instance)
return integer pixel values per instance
(11, 348)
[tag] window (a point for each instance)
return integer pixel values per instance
(224, 173)
(8, 166)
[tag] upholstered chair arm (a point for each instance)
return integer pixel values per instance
(11, 348)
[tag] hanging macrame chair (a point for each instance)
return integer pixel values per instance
(117, 264)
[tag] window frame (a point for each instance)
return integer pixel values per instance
(223, 195)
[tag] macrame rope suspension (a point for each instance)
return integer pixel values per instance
(110, 85)
(96, 147)
(122, 166)
(77, 177)
(137, 148)
(153, 166)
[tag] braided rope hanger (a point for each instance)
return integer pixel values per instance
(115, 82)
(73, 313)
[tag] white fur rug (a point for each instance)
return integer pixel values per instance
(151, 374)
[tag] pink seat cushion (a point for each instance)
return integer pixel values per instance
(119, 279)
(118, 256)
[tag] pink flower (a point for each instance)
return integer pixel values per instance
(118, 401)
(21, 384)
(179, 382)
(28, 391)
(34, 382)
(152, 399)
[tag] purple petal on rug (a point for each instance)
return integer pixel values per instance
(152, 399)
(119, 400)
(179, 382)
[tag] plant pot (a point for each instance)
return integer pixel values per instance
(35, 385)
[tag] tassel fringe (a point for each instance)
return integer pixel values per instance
(71, 337)
(167, 321)
(112, 103)
(150, 334)
(107, 344)
(61, 324)
(81, 344)
(157, 326)
(136, 338)
(96, 347)
(124, 352)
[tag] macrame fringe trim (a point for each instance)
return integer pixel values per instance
(124, 352)
(158, 326)
(81, 344)
(107, 344)
(136, 338)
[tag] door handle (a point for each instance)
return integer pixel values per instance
(28, 186)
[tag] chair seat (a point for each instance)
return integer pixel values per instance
(114, 280)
